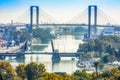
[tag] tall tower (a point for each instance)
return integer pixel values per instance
(31, 16)
(94, 7)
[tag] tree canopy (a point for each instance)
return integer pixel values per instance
(34, 71)
(106, 47)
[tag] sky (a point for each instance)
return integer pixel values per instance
(12, 9)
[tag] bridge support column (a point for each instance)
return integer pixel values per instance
(20, 57)
(90, 20)
(31, 16)
(55, 57)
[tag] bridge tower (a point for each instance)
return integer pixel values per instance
(32, 16)
(94, 7)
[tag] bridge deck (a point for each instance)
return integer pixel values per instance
(68, 24)
(50, 53)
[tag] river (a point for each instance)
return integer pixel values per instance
(63, 43)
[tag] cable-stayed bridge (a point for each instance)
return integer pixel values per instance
(92, 17)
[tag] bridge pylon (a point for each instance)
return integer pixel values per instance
(90, 20)
(31, 16)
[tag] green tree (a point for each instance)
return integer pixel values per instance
(6, 71)
(105, 44)
(111, 58)
(105, 58)
(106, 74)
(42, 34)
(91, 45)
(20, 71)
(100, 46)
(83, 48)
(34, 70)
(17, 78)
(115, 74)
(25, 36)
(119, 68)
(80, 75)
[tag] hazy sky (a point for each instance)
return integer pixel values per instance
(12, 9)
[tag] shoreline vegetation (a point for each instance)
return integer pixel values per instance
(40, 34)
(35, 71)
(107, 48)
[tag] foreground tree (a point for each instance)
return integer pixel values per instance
(20, 71)
(106, 74)
(42, 34)
(80, 75)
(6, 71)
(34, 70)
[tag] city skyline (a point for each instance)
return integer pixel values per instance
(12, 9)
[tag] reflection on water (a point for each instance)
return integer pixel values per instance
(64, 44)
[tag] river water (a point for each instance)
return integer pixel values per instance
(63, 43)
